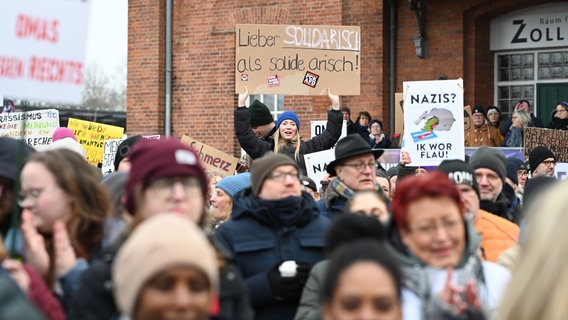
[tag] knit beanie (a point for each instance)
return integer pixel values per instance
(160, 242)
(263, 166)
(392, 171)
(233, 184)
(124, 149)
(513, 166)
(61, 133)
(68, 143)
(153, 159)
(10, 160)
(538, 155)
(493, 109)
(259, 114)
(376, 121)
(459, 172)
(288, 115)
(489, 158)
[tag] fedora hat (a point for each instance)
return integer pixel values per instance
(351, 145)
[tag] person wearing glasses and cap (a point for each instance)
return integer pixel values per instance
(355, 169)
(275, 235)
(483, 134)
(541, 162)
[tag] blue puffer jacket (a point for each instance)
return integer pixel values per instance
(262, 233)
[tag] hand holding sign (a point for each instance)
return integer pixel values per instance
(334, 99)
(243, 97)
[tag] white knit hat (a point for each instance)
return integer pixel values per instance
(160, 242)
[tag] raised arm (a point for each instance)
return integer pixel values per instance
(253, 145)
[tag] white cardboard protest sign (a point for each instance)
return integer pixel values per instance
(433, 121)
(37, 129)
(43, 49)
(316, 164)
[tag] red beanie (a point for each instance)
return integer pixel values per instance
(152, 159)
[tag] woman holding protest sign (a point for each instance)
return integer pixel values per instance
(287, 138)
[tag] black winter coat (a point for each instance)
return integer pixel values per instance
(256, 147)
(95, 300)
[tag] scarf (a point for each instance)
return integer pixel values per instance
(335, 190)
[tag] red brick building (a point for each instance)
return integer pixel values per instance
(503, 49)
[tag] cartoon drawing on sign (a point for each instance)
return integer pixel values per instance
(437, 119)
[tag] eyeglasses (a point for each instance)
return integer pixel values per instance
(32, 195)
(361, 165)
(561, 110)
(521, 173)
(549, 163)
(280, 176)
(375, 127)
(167, 184)
(429, 230)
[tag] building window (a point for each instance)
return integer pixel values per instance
(553, 65)
(516, 80)
(274, 102)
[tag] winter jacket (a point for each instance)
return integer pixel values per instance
(13, 302)
(95, 300)
(257, 147)
(263, 233)
(558, 124)
(382, 144)
(426, 282)
(497, 234)
(486, 135)
(43, 297)
(514, 138)
(334, 201)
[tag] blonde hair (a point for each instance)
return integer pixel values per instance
(280, 143)
(541, 276)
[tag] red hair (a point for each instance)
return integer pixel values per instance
(431, 185)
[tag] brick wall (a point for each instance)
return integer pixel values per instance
(203, 38)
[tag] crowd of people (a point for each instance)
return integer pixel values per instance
(164, 238)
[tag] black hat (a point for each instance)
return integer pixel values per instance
(10, 165)
(124, 149)
(460, 173)
(351, 145)
(392, 171)
(513, 166)
(309, 183)
(478, 109)
(538, 155)
(259, 114)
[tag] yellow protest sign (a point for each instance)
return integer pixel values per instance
(298, 59)
(92, 136)
(212, 158)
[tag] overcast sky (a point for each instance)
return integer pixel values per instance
(108, 33)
